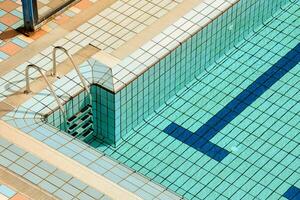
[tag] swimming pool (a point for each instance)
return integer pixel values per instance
(216, 118)
(256, 129)
(229, 133)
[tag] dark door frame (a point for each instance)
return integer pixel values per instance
(31, 17)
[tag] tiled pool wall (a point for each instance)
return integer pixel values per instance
(150, 90)
(104, 114)
(116, 114)
(103, 111)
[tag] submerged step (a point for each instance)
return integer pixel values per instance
(84, 111)
(80, 125)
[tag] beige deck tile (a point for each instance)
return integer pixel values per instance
(23, 186)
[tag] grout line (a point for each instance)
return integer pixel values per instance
(51, 37)
(65, 163)
(23, 186)
(5, 108)
(154, 29)
(37, 85)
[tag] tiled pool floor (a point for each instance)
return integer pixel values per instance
(259, 137)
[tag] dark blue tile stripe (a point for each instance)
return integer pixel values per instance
(293, 193)
(234, 108)
(250, 94)
(193, 140)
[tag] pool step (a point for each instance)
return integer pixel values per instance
(80, 125)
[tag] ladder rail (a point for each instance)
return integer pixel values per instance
(54, 71)
(27, 91)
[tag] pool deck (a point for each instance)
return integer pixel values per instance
(23, 189)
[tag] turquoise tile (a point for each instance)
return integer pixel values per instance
(3, 27)
(4, 161)
(48, 186)
(55, 181)
(17, 169)
(39, 172)
(261, 139)
(6, 191)
(32, 178)
(71, 190)
(63, 195)
(3, 55)
(78, 184)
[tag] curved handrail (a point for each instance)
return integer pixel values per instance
(72, 61)
(27, 91)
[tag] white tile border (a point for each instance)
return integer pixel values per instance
(158, 47)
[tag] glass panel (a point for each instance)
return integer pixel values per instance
(49, 7)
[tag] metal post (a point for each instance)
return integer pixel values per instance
(30, 14)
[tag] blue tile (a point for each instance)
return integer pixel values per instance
(3, 55)
(48, 186)
(82, 160)
(32, 178)
(83, 196)
(70, 189)
(293, 193)
(3, 27)
(33, 159)
(52, 143)
(199, 143)
(66, 151)
(47, 167)
(55, 181)
(17, 13)
(6, 191)
(78, 184)
(200, 139)
(24, 163)
(63, 195)
(89, 155)
(17, 169)
(62, 175)
(17, 24)
(2, 12)
(16, 150)
(93, 193)
(4, 161)
(11, 156)
(39, 172)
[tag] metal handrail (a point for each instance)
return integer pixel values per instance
(72, 61)
(27, 91)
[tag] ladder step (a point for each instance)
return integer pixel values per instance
(88, 135)
(81, 131)
(78, 116)
(80, 125)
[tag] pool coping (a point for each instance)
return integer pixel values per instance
(123, 73)
(22, 186)
(64, 163)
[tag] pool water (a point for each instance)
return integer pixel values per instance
(243, 113)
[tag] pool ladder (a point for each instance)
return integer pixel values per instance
(80, 125)
(27, 91)
(54, 73)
